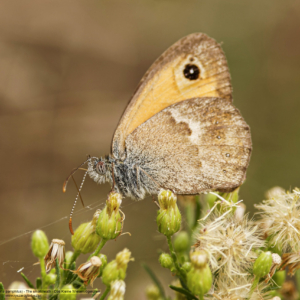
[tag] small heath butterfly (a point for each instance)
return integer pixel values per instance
(180, 131)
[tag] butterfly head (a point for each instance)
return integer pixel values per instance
(99, 169)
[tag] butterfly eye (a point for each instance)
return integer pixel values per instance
(191, 72)
(100, 168)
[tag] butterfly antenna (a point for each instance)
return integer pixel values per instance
(72, 173)
(78, 195)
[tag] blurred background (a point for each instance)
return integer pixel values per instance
(67, 71)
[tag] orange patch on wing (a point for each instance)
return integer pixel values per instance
(162, 91)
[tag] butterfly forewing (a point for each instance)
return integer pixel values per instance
(195, 66)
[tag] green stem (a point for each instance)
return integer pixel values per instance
(73, 258)
(174, 258)
(43, 273)
(105, 293)
(254, 285)
(69, 266)
(57, 282)
(43, 269)
(97, 251)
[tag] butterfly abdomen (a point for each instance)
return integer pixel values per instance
(133, 181)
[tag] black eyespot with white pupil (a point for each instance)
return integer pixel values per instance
(191, 72)
(100, 167)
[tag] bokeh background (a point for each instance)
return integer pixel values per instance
(67, 71)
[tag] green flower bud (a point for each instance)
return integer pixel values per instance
(187, 266)
(262, 265)
(103, 259)
(168, 217)
(39, 244)
(182, 242)
(166, 261)
(67, 292)
(123, 258)
(199, 280)
(50, 279)
(109, 223)
(279, 278)
(85, 238)
(152, 293)
(199, 259)
(68, 257)
(116, 269)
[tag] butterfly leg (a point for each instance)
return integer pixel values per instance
(155, 201)
(113, 177)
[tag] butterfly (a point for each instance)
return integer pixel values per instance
(180, 131)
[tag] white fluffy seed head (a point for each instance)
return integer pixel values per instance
(230, 243)
(280, 220)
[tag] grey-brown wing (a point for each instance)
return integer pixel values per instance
(193, 146)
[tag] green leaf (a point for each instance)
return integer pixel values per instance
(155, 280)
(27, 281)
(183, 284)
(183, 291)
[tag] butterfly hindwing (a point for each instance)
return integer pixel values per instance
(193, 146)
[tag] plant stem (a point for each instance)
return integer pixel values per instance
(43, 269)
(57, 283)
(43, 273)
(97, 251)
(174, 258)
(73, 258)
(105, 293)
(254, 285)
